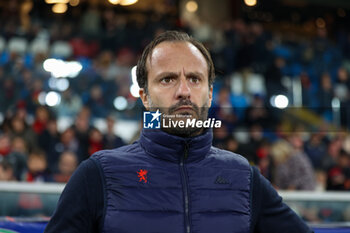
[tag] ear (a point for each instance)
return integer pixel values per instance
(144, 98)
(210, 95)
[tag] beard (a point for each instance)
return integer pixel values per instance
(175, 114)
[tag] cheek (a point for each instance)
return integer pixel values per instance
(160, 99)
(205, 99)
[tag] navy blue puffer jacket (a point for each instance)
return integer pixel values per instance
(165, 183)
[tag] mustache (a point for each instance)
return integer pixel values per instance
(184, 102)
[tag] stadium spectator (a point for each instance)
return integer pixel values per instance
(96, 102)
(69, 142)
(257, 113)
(91, 21)
(338, 176)
(273, 78)
(342, 92)
(19, 145)
(315, 149)
(232, 144)
(8, 93)
(67, 164)
(70, 105)
(220, 136)
(81, 128)
(6, 171)
(5, 144)
(306, 86)
(110, 139)
(18, 157)
(255, 140)
(223, 109)
(42, 116)
(37, 167)
(49, 141)
(333, 151)
(325, 96)
(293, 170)
(265, 162)
(19, 128)
(296, 139)
(95, 141)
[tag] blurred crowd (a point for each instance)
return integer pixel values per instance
(108, 43)
(39, 152)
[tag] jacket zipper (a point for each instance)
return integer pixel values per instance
(185, 189)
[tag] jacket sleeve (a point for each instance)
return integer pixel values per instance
(80, 207)
(272, 215)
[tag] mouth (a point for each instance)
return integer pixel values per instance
(185, 111)
(184, 108)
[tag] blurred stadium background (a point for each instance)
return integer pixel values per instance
(68, 89)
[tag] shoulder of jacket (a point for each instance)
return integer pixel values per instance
(119, 152)
(228, 156)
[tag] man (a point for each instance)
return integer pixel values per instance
(172, 179)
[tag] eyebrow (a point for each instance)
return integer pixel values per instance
(198, 74)
(167, 74)
(174, 74)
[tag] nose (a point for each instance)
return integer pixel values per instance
(183, 91)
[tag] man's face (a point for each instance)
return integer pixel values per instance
(178, 83)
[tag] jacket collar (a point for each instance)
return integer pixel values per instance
(162, 145)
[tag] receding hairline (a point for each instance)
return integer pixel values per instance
(149, 57)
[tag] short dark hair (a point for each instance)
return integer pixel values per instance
(171, 36)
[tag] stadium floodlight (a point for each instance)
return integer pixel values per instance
(62, 84)
(62, 69)
(279, 101)
(250, 2)
(59, 8)
(56, 1)
(128, 2)
(58, 69)
(49, 64)
(52, 99)
(120, 103)
(74, 68)
(114, 2)
(191, 6)
(74, 2)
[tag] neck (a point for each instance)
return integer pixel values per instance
(185, 133)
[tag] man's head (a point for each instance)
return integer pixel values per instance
(175, 74)
(37, 162)
(171, 36)
(68, 162)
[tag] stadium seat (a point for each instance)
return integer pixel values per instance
(39, 46)
(61, 49)
(17, 45)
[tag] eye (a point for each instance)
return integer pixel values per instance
(166, 80)
(194, 79)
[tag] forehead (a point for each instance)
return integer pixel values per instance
(171, 56)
